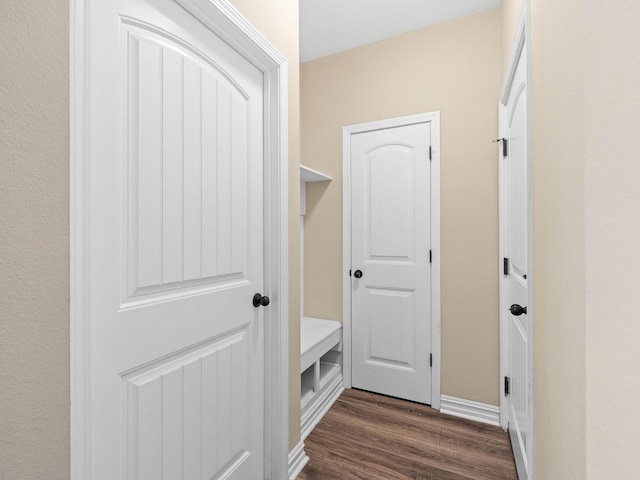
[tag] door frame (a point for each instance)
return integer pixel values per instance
(521, 46)
(230, 25)
(347, 132)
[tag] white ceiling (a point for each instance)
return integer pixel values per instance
(332, 26)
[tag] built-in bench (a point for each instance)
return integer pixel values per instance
(320, 368)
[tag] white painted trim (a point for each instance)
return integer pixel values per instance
(226, 22)
(434, 119)
(480, 412)
(502, 300)
(297, 460)
(516, 51)
(346, 257)
(320, 405)
(532, 273)
(79, 268)
(521, 46)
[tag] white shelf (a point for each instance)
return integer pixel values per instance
(310, 175)
(307, 384)
(327, 372)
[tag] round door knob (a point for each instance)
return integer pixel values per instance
(517, 310)
(260, 300)
(357, 274)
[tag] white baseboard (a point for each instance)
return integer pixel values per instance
(321, 405)
(480, 412)
(297, 460)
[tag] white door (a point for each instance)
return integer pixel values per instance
(514, 286)
(391, 284)
(176, 249)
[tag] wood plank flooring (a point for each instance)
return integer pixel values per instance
(373, 437)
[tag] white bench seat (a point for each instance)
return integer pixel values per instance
(321, 369)
(317, 337)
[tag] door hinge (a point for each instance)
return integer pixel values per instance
(505, 266)
(507, 381)
(349, 272)
(431, 359)
(505, 146)
(430, 153)
(430, 256)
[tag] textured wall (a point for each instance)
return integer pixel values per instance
(557, 35)
(612, 196)
(277, 20)
(34, 240)
(454, 67)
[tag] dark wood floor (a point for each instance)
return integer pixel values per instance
(373, 437)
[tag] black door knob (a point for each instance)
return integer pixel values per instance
(517, 310)
(357, 274)
(260, 300)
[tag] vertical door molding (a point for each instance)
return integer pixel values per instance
(434, 119)
(228, 23)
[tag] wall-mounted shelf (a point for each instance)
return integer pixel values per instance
(309, 175)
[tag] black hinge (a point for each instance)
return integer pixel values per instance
(431, 359)
(430, 153)
(349, 272)
(505, 266)
(505, 148)
(430, 256)
(507, 380)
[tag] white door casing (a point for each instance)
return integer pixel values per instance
(171, 134)
(391, 223)
(516, 263)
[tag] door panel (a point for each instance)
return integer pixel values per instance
(185, 414)
(187, 137)
(515, 194)
(390, 245)
(177, 348)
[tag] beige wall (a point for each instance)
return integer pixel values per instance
(557, 35)
(453, 67)
(612, 205)
(34, 240)
(278, 21)
(586, 110)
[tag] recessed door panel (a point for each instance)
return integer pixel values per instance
(392, 328)
(184, 417)
(390, 196)
(188, 137)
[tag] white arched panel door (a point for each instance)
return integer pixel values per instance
(515, 283)
(390, 260)
(176, 249)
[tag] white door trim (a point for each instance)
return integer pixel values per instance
(520, 47)
(434, 119)
(227, 22)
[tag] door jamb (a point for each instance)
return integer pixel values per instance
(521, 46)
(229, 24)
(434, 119)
